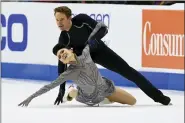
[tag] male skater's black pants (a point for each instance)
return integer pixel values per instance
(107, 58)
(110, 60)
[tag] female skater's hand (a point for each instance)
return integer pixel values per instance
(25, 102)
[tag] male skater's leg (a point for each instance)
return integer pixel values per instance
(110, 60)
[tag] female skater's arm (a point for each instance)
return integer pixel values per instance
(67, 75)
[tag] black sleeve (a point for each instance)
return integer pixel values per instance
(99, 30)
(63, 42)
(61, 68)
(84, 18)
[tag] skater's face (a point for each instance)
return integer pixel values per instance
(65, 55)
(63, 22)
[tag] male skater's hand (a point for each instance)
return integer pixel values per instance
(60, 96)
(58, 100)
(93, 45)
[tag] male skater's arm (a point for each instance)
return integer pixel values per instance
(61, 68)
(99, 29)
(63, 42)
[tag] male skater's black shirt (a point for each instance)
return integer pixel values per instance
(83, 28)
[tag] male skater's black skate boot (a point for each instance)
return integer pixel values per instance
(165, 100)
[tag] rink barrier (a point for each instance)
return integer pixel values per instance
(170, 81)
(134, 33)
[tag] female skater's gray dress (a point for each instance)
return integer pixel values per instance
(92, 87)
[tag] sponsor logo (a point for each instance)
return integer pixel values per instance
(163, 39)
(13, 26)
(99, 17)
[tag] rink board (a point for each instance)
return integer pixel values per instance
(31, 71)
(136, 33)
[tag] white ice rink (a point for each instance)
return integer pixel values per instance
(42, 110)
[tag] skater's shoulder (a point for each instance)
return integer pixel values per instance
(80, 17)
(84, 19)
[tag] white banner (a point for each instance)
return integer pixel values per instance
(32, 28)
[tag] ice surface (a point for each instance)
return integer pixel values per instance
(42, 110)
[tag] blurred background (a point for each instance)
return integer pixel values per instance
(102, 2)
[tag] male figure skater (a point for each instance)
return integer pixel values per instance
(76, 31)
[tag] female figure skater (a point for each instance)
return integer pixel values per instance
(92, 88)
